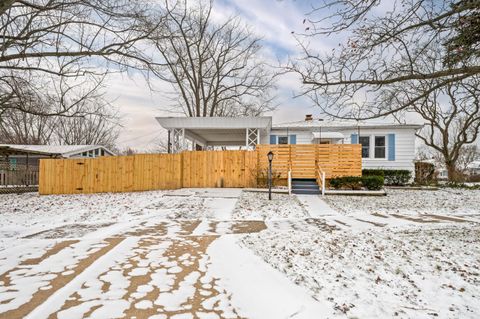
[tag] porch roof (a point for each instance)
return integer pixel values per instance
(217, 131)
(329, 135)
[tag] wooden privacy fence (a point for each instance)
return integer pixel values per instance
(304, 159)
(192, 169)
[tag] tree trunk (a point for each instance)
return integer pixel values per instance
(453, 174)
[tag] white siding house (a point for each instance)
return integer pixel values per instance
(385, 145)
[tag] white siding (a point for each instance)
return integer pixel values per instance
(404, 144)
(303, 136)
(404, 148)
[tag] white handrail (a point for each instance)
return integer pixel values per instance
(321, 177)
(289, 182)
(323, 183)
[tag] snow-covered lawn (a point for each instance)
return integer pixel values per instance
(422, 272)
(224, 253)
(253, 205)
(443, 201)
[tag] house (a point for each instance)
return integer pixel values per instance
(17, 154)
(473, 168)
(384, 145)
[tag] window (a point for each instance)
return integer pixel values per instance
(283, 140)
(380, 147)
(365, 141)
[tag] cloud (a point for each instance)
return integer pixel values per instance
(273, 20)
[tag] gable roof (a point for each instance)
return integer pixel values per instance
(316, 123)
(62, 150)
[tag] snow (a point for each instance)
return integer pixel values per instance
(255, 205)
(257, 291)
(228, 253)
(449, 201)
(417, 273)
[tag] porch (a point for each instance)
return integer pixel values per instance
(206, 133)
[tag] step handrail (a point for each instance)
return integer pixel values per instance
(320, 177)
(289, 180)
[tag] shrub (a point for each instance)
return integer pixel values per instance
(373, 172)
(355, 182)
(474, 179)
(347, 182)
(425, 173)
(262, 178)
(373, 182)
(397, 177)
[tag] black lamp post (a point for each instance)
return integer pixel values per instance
(270, 158)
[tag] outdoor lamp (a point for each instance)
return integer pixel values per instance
(270, 158)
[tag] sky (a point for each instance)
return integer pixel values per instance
(272, 20)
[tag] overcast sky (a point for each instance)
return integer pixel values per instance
(273, 20)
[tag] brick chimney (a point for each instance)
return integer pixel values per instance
(308, 117)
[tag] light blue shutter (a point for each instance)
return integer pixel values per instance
(354, 138)
(273, 139)
(391, 147)
(293, 139)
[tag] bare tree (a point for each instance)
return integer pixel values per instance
(451, 125)
(215, 68)
(468, 154)
(382, 54)
(17, 127)
(100, 126)
(35, 122)
(66, 39)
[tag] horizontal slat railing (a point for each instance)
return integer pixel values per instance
(335, 159)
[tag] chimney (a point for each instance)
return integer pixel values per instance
(308, 117)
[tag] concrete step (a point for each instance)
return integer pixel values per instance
(305, 186)
(306, 191)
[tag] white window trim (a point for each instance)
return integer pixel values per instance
(372, 147)
(386, 147)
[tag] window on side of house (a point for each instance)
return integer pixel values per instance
(380, 147)
(365, 141)
(283, 140)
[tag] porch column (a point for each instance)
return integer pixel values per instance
(253, 137)
(178, 140)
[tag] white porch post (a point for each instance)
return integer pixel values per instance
(178, 139)
(252, 137)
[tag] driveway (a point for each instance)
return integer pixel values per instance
(150, 267)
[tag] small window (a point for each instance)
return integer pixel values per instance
(365, 141)
(283, 140)
(380, 147)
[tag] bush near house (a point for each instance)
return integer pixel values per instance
(392, 177)
(373, 182)
(425, 173)
(370, 182)
(262, 178)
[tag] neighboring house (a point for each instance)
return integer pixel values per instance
(473, 168)
(384, 145)
(30, 154)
